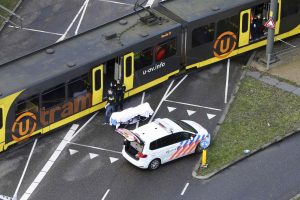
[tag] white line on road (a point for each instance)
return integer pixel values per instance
(176, 86)
(49, 163)
(83, 12)
(68, 29)
(163, 98)
(194, 105)
(116, 2)
(19, 184)
(106, 193)
(86, 123)
(34, 30)
(227, 80)
(83, 145)
(184, 189)
(142, 101)
(285, 42)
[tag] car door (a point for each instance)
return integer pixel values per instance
(184, 145)
(166, 146)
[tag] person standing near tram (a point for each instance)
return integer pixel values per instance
(120, 91)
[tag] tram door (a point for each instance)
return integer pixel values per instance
(128, 70)
(97, 85)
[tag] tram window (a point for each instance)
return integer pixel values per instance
(1, 118)
(53, 96)
(165, 50)
(128, 66)
(230, 24)
(78, 86)
(97, 79)
(245, 22)
(290, 7)
(143, 59)
(203, 35)
(28, 105)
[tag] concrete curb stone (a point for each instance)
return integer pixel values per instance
(285, 86)
(269, 80)
(297, 91)
(14, 10)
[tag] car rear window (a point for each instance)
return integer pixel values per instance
(185, 126)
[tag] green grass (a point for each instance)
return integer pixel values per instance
(258, 114)
(10, 4)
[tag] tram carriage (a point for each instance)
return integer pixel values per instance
(66, 81)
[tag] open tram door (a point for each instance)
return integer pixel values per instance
(252, 22)
(128, 71)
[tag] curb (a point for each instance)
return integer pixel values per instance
(14, 10)
(296, 197)
(275, 140)
(221, 120)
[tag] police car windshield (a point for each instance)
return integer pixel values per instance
(185, 126)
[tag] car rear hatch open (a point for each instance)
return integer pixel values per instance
(134, 145)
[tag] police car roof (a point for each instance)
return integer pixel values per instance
(157, 129)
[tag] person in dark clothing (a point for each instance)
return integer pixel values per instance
(120, 90)
(257, 27)
(110, 106)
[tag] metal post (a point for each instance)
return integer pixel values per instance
(203, 163)
(270, 41)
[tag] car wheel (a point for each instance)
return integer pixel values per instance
(154, 164)
(198, 149)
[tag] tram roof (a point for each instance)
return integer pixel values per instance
(190, 10)
(85, 49)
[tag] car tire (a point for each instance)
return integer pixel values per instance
(198, 149)
(154, 164)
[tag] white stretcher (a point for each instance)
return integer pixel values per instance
(131, 115)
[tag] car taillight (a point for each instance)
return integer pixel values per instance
(140, 155)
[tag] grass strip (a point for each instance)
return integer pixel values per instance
(9, 4)
(258, 114)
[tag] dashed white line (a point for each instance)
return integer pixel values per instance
(142, 101)
(83, 145)
(184, 189)
(21, 179)
(34, 30)
(116, 2)
(227, 80)
(106, 193)
(188, 104)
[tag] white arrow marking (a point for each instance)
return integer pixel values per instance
(170, 109)
(210, 116)
(190, 112)
(112, 159)
(93, 155)
(5, 197)
(72, 151)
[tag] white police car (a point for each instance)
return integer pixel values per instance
(161, 141)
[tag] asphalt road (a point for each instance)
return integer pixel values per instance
(91, 166)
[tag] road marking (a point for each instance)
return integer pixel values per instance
(170, 109)
(184, 189)
(163, 98)
(176, 86)
(190, 112)
(112, 159)
(116, 2)
(286, 42)
(106, 193)
(149, 3)
(83, 145)
(34, 30)
(3, 197)
(86, 123)
(142, 101)
(27, 163)
(194, 105)
(210, 116)
(70, 26)
(83, 12)
(93, 155)
(72, 151)
(227, 79)
(49, 163)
